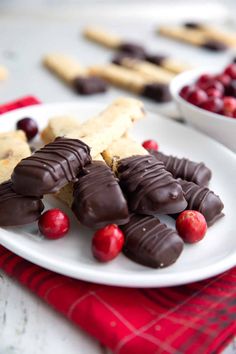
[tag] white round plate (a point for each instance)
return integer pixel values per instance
(72, 256)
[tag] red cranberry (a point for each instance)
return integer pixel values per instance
(150, 145)
(191, 226)
(203, 80)
(229, 104)
(29, 126)
(212, 92)
(215, 85)
(186, 90)
(54, 224)
(107, 243)
(231, 71)
(213, 104)
(197, 97)
(223, 78)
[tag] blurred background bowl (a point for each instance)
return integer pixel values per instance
(219, 127)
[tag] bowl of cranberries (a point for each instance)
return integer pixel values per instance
(207, 100)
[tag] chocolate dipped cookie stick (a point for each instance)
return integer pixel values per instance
(132, 81)
(110, 40)
(192, 36)
(98, 199)
(170, 64)
(203, 200)
(148, 70)
(51, 167)
(214, 33)
(149, 188)
(151, 243)
(16, 209)
(72, 73)
(183, 168)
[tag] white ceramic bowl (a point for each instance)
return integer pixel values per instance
(214, 125)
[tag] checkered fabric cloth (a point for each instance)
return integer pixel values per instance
(190, 319)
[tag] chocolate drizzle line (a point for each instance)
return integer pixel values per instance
(184, 168)
(98, 199)
(50, 168)
(150, 189)
(203, 200)
(151, 243)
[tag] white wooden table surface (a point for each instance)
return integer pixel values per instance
(27, 325)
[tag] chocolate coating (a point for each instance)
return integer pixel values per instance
(192, 25)
(157, 92)
(117, 59)
(151, 243)
(230, 90)
(184, 168)
(50, 168)
(98, 199)
(16, 209)
(133, 48)
(89, 85)
(203, 200)
(149, 188)
(156, 59)
(215, 46)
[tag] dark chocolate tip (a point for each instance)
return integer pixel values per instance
(16, 209)
(151, 243)
(155, 58)
(230, 90)
(98, 199)
(215, 46)
(192, 25)
(117, 59)
(89, 85)
(157, 92)
(234, 60)
(134, 49)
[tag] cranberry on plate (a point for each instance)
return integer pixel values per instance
(107, 243)
(150, 145)
(29, 126)
(54, 224)
(191, 226)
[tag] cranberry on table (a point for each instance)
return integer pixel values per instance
(197, 97)
(107, 243)
(231, 71)
(150, 145)
(29, 126)
(213, 104)
(54, 224)
(191, 226)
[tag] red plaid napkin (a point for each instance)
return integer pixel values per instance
(191, 319)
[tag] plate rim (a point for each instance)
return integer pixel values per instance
(109, 278)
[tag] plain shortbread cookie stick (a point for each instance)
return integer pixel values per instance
(13, 148)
